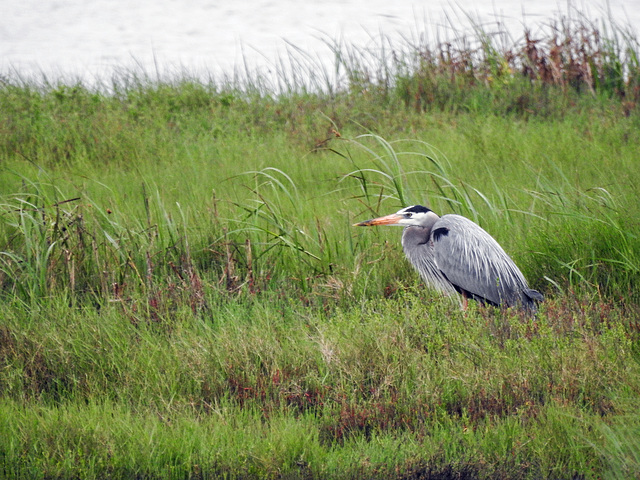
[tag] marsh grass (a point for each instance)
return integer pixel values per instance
(276, 387)
(183, 294)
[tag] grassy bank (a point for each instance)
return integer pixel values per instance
(395, 387)
(183, 294)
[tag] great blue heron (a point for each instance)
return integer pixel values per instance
(453, 254)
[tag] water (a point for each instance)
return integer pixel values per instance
(92, 39)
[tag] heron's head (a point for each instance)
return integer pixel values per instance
(416, 215)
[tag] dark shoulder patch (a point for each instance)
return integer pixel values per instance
(438, 233)
(417, 209)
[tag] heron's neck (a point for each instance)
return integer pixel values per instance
(428, 221)
(419, 234)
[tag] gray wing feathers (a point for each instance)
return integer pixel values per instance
(472, 260)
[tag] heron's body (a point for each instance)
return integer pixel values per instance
(453, 254)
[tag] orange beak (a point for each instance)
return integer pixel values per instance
(392, 219)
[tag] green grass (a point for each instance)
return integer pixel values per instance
(183, 295)
(274, 388)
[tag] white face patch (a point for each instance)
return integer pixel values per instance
(414, 215)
